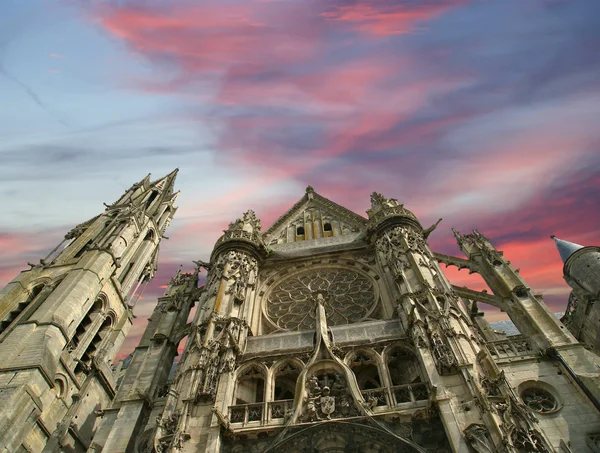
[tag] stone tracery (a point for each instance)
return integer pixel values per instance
(351, 298)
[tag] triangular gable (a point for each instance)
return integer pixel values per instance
(314, 217)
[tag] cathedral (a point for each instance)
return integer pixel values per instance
(327, 332)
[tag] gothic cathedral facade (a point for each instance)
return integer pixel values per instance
(328, 332)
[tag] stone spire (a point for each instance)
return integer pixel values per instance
(565, 248)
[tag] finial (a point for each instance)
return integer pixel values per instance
(310, 189)
(430, 230)
(552, 236)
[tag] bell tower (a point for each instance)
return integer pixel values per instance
(63, 321)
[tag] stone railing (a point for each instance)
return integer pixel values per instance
(280, 409)
(513, 346)
(276, 411)
(246, 413)
(410, 393)
(376, 397)
(242, 235)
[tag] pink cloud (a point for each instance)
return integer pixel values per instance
(388, 17)
(56, 55)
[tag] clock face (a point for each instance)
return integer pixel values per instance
(349, 297)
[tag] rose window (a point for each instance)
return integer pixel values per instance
(348, 295)
(539, 400)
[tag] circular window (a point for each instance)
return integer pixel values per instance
(349, 297)
(539, 400)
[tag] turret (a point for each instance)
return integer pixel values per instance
(581, 271)
(581, 267)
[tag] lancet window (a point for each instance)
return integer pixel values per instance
(405, 375)
(286, 377)
(94, 345)
(249, 396)
(250, 386)
(365, 369)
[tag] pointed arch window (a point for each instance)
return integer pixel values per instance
(366, 371)
(405, 375)
(250, 386)
(285, 382)
(94, 346)
(86, 323)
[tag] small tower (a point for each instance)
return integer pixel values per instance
(582, 273)
(63, 321)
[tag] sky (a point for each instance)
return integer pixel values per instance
(482, 112)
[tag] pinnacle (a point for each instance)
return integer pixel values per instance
(565, 248)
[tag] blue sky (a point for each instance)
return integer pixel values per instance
(484, 113)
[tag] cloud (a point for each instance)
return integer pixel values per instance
(389, 17)
(56, 55)
(481, 112)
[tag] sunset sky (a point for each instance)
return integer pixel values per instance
(483, 112)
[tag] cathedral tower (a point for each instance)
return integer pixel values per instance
(63, 321)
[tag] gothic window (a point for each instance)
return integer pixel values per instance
(349, 298)
(250, 386)
(285, 381)
(300, 233)
(365, 369)
(85, 323)
(405, 375)
(539, 400)
(94, 345)
(403, 367)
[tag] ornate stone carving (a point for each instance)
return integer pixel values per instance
(445, 360)
(167, 427)
(327, 397)
(239, 271)
(217, 356)
(528, 440)
(383, 208)
(350, 298)
(479, 438)
(491, 385)
(245, 229)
